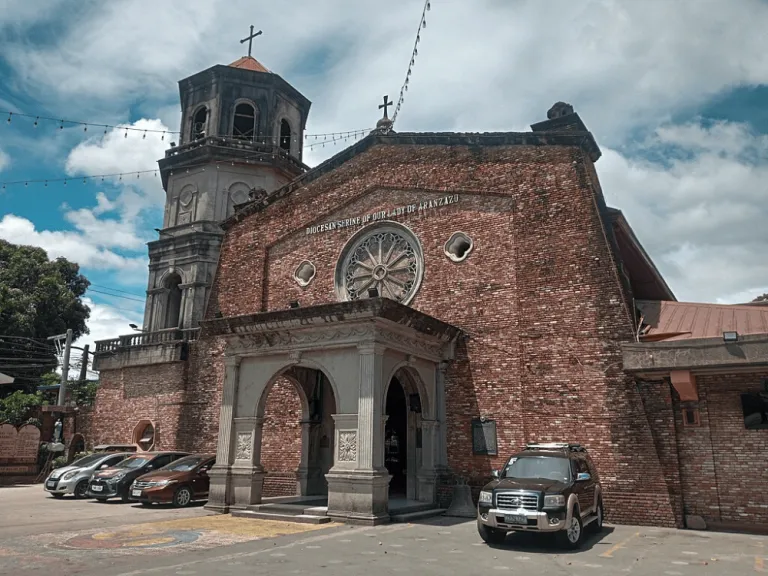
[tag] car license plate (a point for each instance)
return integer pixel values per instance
(51, 484)
(97, 488)
(515, 519)
(136, 493)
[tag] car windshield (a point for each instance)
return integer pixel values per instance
(87, 460)
(539, 467)
(183, 464)
(133, 462)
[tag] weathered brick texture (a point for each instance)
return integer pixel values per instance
(129, 395)
(540, 297)
(281, 440)
(722, 464)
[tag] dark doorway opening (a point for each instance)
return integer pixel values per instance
(173, 309)
(285, 136)
(396, 439)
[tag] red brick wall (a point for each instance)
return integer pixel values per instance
(129, 395)
(722, 464)
(539, 295)
(281, 439)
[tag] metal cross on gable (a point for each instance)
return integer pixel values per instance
(249, 39)
(385, 105)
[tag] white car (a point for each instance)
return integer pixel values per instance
(73, 479)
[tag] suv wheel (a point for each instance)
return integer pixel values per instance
(573, 534)
(182, 497)
(81, 488)
(597, 525)
(491, 535)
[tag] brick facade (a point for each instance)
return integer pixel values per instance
(281, 440)
(540, 297)
(722, 466)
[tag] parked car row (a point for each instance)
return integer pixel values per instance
(176, 478)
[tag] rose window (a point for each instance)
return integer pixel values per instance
(382, 261)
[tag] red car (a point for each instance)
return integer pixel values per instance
(178, 483)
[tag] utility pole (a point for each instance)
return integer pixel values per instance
(84, 365)
(65, 368)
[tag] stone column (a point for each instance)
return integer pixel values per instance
(221, 480)
(427, 476)
(358, 483)
(247, 472)
(370, 454)
(304, 473)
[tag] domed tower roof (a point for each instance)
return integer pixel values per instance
(249, 63)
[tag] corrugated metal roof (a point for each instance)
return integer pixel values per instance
(249, 63)
(685, 320)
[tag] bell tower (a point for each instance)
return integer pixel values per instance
(242, 131)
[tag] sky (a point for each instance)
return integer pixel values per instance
(674, 91)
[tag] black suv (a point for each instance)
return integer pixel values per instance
(550, 487)
(116, 481)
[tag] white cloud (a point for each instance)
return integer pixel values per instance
(623, 65)
(107, 322)
(5, 160)
(71, 245)
(701, 215)
(640, 57)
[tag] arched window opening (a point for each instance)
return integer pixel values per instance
(245, 122)
(200, 123)
(285, 136)
(173, 309)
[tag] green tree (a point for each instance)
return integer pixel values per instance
(38, 298)
(17, 407)
(761, 298)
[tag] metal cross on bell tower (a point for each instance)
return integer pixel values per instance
(250, 38)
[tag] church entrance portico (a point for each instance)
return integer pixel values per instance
(374, 361)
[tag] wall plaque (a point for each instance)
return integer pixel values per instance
(484, 437)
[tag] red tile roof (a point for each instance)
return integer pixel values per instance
(249, 63)
(685, 320)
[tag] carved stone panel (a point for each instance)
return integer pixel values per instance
(348, 446)
(243, 448)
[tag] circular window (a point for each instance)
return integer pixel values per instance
(304, 273)
(459, 246)
(382, 260)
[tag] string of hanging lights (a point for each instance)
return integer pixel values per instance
(414, 54)
(136, 175)
(62, 123)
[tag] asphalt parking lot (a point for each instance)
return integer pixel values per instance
(81, 537)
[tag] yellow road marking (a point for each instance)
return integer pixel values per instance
(759, 564)
(615, 547)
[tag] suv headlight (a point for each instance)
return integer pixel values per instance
(117, 477)
(71, 474)
(486, 497)
(554, 500)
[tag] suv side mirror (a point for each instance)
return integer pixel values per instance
(583, 477)
(496, 474)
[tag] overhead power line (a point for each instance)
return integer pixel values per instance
(114, 295)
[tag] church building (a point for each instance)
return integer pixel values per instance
(413, 310)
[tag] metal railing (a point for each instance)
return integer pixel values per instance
(147, 338)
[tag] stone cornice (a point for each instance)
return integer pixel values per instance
(353, 324)
(695, 354)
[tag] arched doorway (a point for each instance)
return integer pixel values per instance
(402, 436)
(173, 308)
(297, 436)
(396, 440)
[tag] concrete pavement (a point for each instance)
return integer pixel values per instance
(156, 542)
